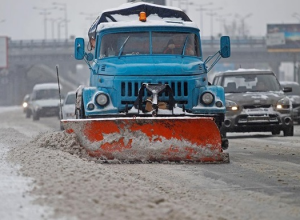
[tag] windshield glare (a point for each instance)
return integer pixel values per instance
(250, 83)
(137, 43)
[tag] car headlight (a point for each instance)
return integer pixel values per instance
(283, 103)
(25, 104)
(102, 99)
(230, 105)
(207, 98)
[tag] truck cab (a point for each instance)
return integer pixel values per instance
(148, 61)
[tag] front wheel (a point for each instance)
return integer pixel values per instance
(35, 116)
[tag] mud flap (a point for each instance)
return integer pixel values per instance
(150, 139)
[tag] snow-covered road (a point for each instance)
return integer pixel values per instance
(57, 181)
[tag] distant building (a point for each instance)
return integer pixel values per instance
(158, 2)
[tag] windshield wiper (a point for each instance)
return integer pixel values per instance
(122, 47)
(183, 49)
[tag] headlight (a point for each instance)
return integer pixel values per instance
(102, 99)
(25, 105)
(207, 98)
(283, 103)
(230, 105)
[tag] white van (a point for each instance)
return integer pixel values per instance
(44, 101)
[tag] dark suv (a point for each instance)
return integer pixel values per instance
(255, 102)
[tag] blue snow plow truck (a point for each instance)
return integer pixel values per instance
(148, 90)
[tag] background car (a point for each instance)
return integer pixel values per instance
(44, 101)
(68, 107)
(294, 95)
(25, 102)
(255, 102)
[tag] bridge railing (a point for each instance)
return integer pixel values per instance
(41, 43)
(67, 43)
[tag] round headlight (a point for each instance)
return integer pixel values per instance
(25, 105)
(102, 99)
(207, 98)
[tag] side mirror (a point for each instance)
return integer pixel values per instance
(287, 89)
(79, 48)
(225, 47)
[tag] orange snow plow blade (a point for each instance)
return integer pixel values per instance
(150, 139)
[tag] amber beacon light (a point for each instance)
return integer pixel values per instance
(143, 16)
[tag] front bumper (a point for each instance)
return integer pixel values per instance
(48, 111)
(258, 122)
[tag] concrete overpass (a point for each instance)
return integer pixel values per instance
(35, 61)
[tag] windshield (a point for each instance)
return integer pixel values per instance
(46, 94)
(138, 43)
(250, 83)
(70, 99)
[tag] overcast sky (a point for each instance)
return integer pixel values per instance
(19, 20)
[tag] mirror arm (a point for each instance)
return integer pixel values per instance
(209, 58)
(88, 63)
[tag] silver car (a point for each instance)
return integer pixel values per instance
(68, 107)
(255, 102)
(294, 95)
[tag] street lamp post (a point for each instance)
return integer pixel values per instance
(59, 22)
(201, 9)
(44, 12)
(222, 20)
(296, 15)
(53, 20)
(64, 8)
(243, 18)
(211, 14)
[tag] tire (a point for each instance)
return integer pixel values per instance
(223, 132)
(28, 113)
(35, 116)
(289, 131)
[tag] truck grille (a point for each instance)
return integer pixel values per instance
(256, 106)
(129, 91)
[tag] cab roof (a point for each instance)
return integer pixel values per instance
(127, 15)
(244, 72)
(45, 86)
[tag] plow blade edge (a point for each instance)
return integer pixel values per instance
(149, 139)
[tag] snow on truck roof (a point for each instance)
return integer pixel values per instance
(129, 12)
(45, 86)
